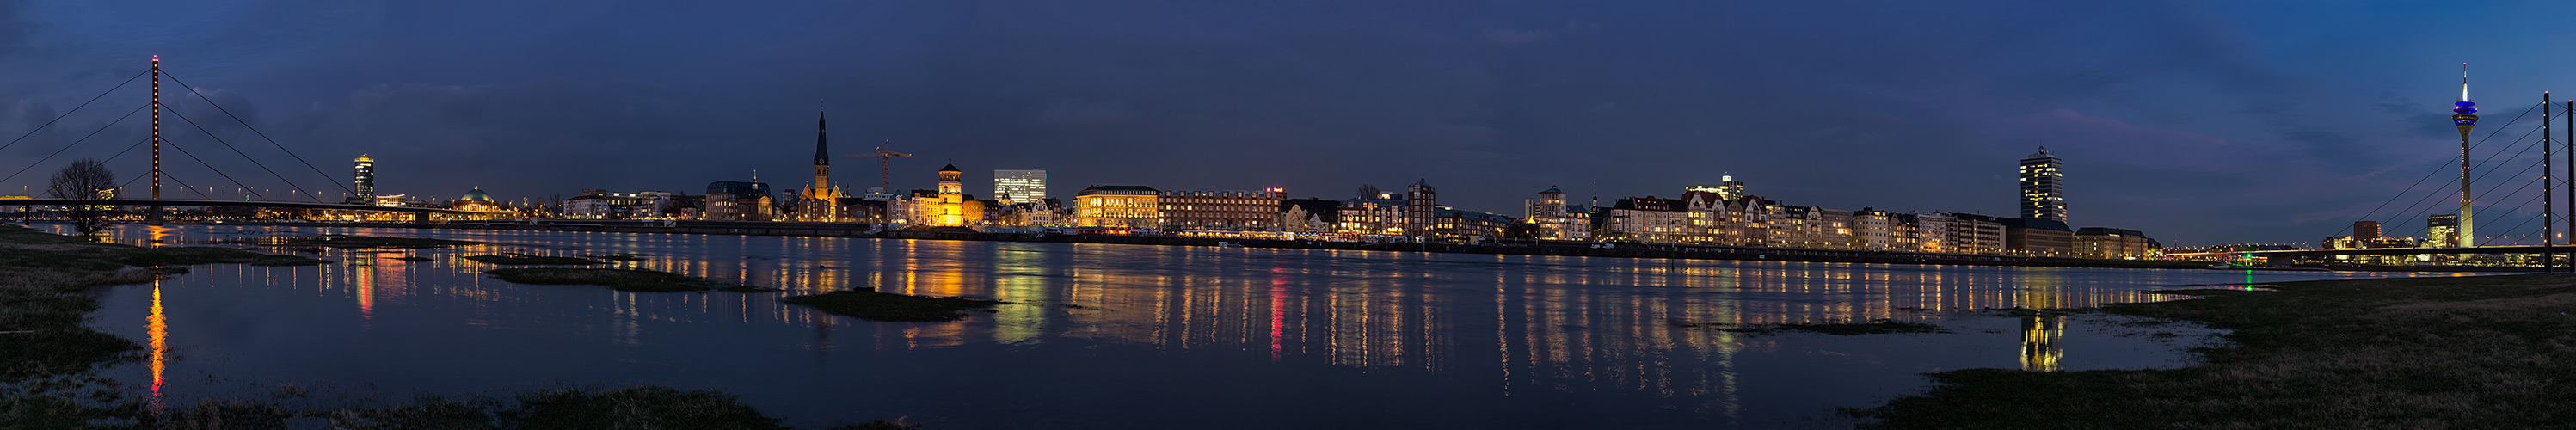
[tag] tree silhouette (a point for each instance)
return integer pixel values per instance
(86, 179)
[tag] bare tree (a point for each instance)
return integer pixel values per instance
(86, 179)
(1369, 191)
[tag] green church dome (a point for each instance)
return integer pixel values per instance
(477, 195)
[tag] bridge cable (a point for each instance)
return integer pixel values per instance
(2436, 171)
(245, 156)
(32, 132)
(2524, 222)
(2525, 202)
(262, 135)
(211, 167)
(173, 178)
(147, 174)
(2446, 183)
(128, 148)
(41, 161)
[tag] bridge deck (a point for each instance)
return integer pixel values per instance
(231, 203)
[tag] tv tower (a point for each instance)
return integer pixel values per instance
(2465, 117)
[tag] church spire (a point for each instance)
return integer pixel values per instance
(821, 157)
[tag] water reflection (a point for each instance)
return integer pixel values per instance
(157, 328)
(1493, 327)
(2039, 336)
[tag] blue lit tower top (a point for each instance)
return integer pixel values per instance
(2465, 112)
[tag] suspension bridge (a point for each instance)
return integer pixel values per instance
(2512, 183)
(155, 205)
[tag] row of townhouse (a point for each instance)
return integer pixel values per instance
(1711, 219)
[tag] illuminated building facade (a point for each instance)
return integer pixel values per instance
(366, 181)
(1128, 206)
(2114, 243)
(1875, 230)
(1649, 220)
(476, 200)
(1016, 186)
(951, 208)
(1420, 203)
(1554, 219)
(2043, 188)
(1976, 234)
(1929, 232)
(2038, 237)
(1382, 214)
(1309, 216)
(2442, 231)
(739, 201)
(1467, 226)
(1220, 209)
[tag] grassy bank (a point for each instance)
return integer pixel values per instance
(618, 279)
(878, 306)
(2464, 352)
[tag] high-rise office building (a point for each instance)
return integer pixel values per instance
(2442, 231)
(366, 181)
(2365, 230)
(1013, 186)
(2043, 190)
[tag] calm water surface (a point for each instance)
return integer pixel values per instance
(1127, 336)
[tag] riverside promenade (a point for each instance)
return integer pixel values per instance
(1504, 247)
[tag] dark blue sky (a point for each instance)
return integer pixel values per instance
(2195, 122)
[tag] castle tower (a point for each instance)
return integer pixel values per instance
(2465, 117)
(952, 198)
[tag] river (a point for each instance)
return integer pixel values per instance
(1127, 336)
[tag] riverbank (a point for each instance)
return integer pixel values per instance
(1514, 247)
(48, 361)
(2464, 352)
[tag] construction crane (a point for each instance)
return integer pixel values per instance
(885, 166)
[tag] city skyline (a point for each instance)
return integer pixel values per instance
(1492, 97)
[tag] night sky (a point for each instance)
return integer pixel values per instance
(2195, 122)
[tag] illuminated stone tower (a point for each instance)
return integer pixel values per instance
(952, 209)
(2465, 117)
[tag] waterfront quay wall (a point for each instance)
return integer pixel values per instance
(1556, 248)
